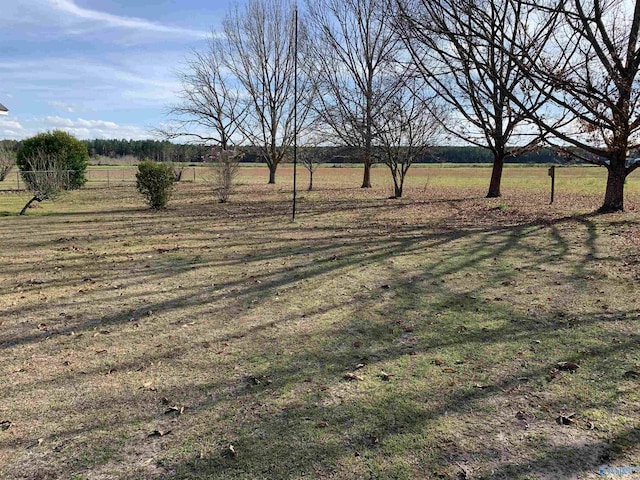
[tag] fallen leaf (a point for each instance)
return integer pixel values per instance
(566, 419)
(568, 366)
(159, 433)
(255, 381)
(352, 376)
(232, 451)
(449, 370)
(357, 344)
(174, 409)
(322, 424)
(385, 376)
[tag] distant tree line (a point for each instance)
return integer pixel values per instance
(159, 151)
(165, 151)
(442, 154)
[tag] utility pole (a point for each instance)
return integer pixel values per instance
(295, 111)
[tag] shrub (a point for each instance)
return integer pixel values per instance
(225, 170)
(70, 153)
(155, 182)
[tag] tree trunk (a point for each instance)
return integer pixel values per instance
(26, 207)
(272, 174)
(496, 177)
(614, 196)
(397, 184)
(310, 180)
(366, 180)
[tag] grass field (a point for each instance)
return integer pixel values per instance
(583, 179)
(370, 339)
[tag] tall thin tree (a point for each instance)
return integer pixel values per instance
(354, 48)
(262, 59)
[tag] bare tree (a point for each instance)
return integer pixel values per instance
(225, 170)
(211, 109)
(590, 73)
(7, 160)
(354, 49)
(453, 45)
(314, 151)
(262, 58)
(178, 171)
(47, 177)
(410, 124)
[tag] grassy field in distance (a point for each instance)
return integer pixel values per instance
(569, 179)
(442, 335)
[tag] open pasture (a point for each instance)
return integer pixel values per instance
(442, 335)
(583, 179)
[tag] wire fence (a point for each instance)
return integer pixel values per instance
(100, 177)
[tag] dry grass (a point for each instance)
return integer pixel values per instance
(450, 311)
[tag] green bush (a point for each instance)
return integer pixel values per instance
(155, 182)
(70, 153)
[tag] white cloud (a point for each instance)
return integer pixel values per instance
(110, 20)
(7, 122)
(79, 127)
(63, 106)
(86, 129)
(124, 83)
(11, 128)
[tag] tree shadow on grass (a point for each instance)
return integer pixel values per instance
(358, 248)
(371, 428)
(276, 426)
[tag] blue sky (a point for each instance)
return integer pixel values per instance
(96, 68)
